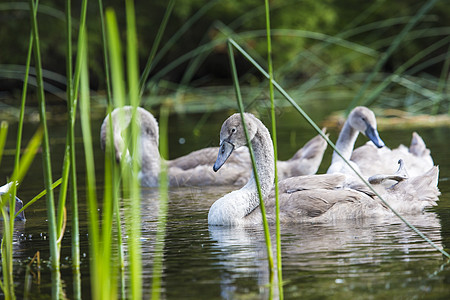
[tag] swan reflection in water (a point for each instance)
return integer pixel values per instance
(338, 250)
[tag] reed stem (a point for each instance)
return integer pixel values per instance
(93, 220)
(134, 213)
(252, 156)
(275, 151)
(54, 253)
(163, 205)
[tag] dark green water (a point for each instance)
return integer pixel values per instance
(365, 259)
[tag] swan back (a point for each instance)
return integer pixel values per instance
(417, 158)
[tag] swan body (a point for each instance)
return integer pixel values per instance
(194, 169)
(374, 157)
(417, 158)
(311, 198)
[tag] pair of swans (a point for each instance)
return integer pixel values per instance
(195, 169)
(314, 198)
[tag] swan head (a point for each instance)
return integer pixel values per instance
(121, 121)
(232, 136)
(363, 120)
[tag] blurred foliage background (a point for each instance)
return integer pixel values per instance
(318, 47)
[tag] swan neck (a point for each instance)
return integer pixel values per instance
(235, 207)
(264, 159)
(345, 143)
(150, 162)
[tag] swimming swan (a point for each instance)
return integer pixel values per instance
(360, 120)
(374, 157)
(194, 169)
(311, 198)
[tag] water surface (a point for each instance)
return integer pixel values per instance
(364, 259)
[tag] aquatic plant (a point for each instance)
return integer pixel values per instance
(275, 151)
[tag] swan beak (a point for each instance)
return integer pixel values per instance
(373, 135)
(225, 150)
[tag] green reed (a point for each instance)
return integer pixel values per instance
(105, 53)
(114, 64)
(163, 204)
(6, 245)
(275, 150)
(255, 173)
(54, 253)
(97, 290)
(130, 182)
(112, 177)
(133, 222)
(103, 256)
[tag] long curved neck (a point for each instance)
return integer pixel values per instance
(232, 208)
(150, 162)
(264, 159)
(345, 143)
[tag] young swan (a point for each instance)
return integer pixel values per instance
(312, 198)
(372, 158)
(360, 120)
(194, 169)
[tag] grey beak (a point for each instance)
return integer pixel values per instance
(225, 151)
(373, 135)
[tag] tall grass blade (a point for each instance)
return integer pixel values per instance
(258, 185)
(6, 244)
(134, 212)
(69, 168)
(3, 134)
(93, 222)
(163, 205)
(275, 150)
(78, 62)
(54, 253)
